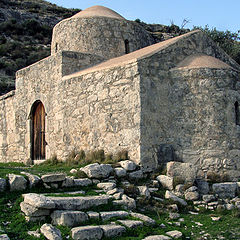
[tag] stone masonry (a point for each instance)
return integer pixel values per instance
(176, 100)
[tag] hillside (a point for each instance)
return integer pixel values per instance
(25, 35)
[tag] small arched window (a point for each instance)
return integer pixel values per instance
(237, 113)
(127, 49)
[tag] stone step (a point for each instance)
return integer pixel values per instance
(79, 203)
(76, 218)
(65, 203)
(97, 232)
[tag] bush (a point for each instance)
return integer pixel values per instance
(96, 156)
(214, 177)
(121, 155)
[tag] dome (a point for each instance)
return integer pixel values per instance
(98, 11)
(202, 61)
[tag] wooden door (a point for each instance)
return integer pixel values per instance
(38, 143)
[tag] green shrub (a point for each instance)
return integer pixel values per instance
(214, 177)
(95, 156)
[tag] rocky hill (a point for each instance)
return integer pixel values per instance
(25, 35)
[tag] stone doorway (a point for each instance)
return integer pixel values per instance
(38, 131)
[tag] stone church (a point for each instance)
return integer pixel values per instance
(108, 85)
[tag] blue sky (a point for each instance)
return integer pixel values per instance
(222, 14)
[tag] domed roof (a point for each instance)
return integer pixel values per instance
(98, 11)
(202, 61)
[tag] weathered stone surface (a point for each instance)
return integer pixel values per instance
(144, 191)
(108, 215)
(87, 232)
(96, 170)
(157, 237)
(120, 172)
(35, 234)
(147, 220)
(203, 186)
(128, 165)
(130, 202)
(17, 182)
(68, 182)
(113, 191)
(187, 171)
(50, 232)
(79, 203)
(192, 196)
(38, 201)
(32, 211)
(35, 219)
(82, 182)
(208, 198)
(54, 177)
(4, 237)
(34, 180)
(68, 218)
(93, 215)
(106, 186)
(136, 175)
(225, 190)
(131, 223)
(174, 234)
(166, 182)
(170, 195)
(112, 230)
(3, 184)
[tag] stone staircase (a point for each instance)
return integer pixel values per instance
(76, 212)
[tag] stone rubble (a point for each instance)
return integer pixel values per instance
(50, 232)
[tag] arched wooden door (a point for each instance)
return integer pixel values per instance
(38, 131)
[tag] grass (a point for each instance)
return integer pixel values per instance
(12, 221)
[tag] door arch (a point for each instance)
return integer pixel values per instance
(38, 145)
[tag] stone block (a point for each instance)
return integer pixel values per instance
(128, 165)
(203, 186)
(174, 234)
(106, 186)
(98, 171)
(136, 175)
(50, 232)
(4, 237)
(87, 233)
(68, 218)
(113, 214)
(34, 180)
(157, 237)
(82, 182)
(166, 181)
(32, 211)
(112, 230)
(187, 171)
(172, 196)
(79, 203)
(131, 223)
(225, 190)
(93, 215)
(144, 191)
(17, 182)
(55, 177)
(147, 220)
(38, 201)
(120, 172)
(192, 196)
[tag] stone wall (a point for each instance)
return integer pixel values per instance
(101, 36)
(101, 110)
(188, 115)
(8, 138)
